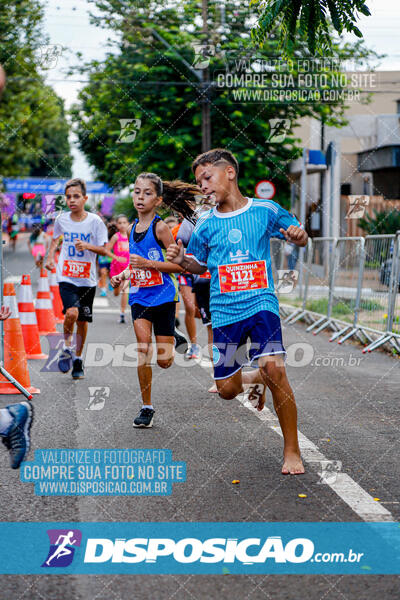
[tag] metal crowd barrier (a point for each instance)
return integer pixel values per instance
(350, 285)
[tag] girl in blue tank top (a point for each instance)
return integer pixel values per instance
(153, 287)
(149, 286)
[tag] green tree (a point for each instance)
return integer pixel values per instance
(381, 222)
(33, 126)
(144, 80)
(311, 19)
(54, 158)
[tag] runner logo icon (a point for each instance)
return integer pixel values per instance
(97, 397)
(63, 543)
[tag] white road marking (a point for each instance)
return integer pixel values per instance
(108, 311)
(100, 302)
(344, 486)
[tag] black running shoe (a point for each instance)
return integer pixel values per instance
(181, 343)
(77, 369)
(144, 418)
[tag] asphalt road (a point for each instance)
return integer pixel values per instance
(348, 409)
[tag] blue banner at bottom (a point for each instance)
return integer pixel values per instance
(200, 548)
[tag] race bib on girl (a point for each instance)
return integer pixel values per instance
(76, 268)
(145, 277)
(243, 277)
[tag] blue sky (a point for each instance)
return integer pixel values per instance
(67, 24)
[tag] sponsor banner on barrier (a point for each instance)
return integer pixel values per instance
(200, 548)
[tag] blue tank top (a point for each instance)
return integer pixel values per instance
(158, 288)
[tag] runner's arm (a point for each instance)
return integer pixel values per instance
(50, 257)
(176, 254)
(110, 246)
(166, 238)
(123, 276)
(80, 246)
(295, 235)
(288, 227)
(144, 263)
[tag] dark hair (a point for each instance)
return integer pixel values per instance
(111, 230)
(181, 197)
(76, 181)
(121, 216)
(36, 231)
(214, 157)
(155, 179)
(177, 195)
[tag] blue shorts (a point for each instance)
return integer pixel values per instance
(185, 279)
(231, 351)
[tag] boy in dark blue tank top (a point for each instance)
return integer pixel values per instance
(153, 287)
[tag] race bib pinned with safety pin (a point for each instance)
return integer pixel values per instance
(145, 277)
(76, 268)
(243, 277)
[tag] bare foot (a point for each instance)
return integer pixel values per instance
(255, 394)
(213, 389)
(292, 464)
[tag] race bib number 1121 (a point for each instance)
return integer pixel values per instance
(243, 277)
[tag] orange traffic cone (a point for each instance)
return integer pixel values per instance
(27, 317)
(56, 298)
(14, 352)
(44, 309)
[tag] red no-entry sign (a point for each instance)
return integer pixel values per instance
(265, 189)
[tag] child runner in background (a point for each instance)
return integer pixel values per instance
(84, 236)
(38, 244)
(154, 289)
(191, 202)
(118, 246)
(172, 222)
(200, 291)
(185, 282)
(13, 230)
(104, 263)
(233, 242)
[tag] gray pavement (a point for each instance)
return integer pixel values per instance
(348, 408)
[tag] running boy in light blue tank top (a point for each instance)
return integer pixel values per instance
(232, 242)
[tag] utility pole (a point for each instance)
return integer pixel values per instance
(202, 76)
(205, 89)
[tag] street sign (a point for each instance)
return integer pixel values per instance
(265, 189)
